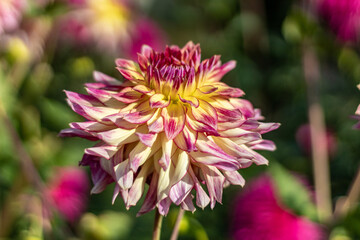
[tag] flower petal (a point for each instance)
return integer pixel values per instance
(147, 138)
(181, 189)
(102, 151)
(118, 136)
(124, 175)
(137, 188)
(234, 177)
(186, 140)
(167, 149)
(214, 182)
(174, 120)
(150, 199)
(159, 101)
(205, 114)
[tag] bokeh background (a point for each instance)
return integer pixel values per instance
(47, 46)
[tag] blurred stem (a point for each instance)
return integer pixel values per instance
(175, 233)
(318, 134)
(157, 225)
(8, 212)
(26, 162)
(351, 199)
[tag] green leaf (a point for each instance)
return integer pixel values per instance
(292, 192)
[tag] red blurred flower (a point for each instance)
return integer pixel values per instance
(259, 214)
(68, 190)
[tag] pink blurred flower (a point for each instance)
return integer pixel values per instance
(105, 24)
(259, 214)
(111, 26)
(343, 16)
(145, 32)
(303, 139)
(10, 14)
(68, 190)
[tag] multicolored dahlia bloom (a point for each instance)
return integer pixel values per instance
(343, 16)
(171, 124)
(68, 190)
(10, 14)
(259, 214)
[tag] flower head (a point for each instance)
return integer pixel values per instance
(343, 16)
(10, 14)
(171, 124)
(68, 191)
(255, 213)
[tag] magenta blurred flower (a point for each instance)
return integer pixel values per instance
(10, 14)
(171, 124)
(259, 214)
(303, 139)
(69, 190)
(343, 16)
(145, 32)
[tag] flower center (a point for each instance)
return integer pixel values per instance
(170, 75)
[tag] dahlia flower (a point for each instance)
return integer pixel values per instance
(343, 16)
(259, 214)
(68, 190)
(171, 124)
(10, 14)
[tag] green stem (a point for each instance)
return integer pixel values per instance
(157, 225)
(175, 232)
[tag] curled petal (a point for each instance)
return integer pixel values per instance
(102, 151)
(147, 139)
(118, 136)
(193, 101)
(211, 160)
(127, 64)
(137, 188)
(186, 140)
(150, 199)
(263, 145)
(205, 114)
(141, 114)
(234, 178)
(181, 189)
(159, 101)
(71, 132)
(167, 148)
(202, 199)
(214, 182)
(124, 175)
(105, 79)
(174, 120)
(187, 204)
